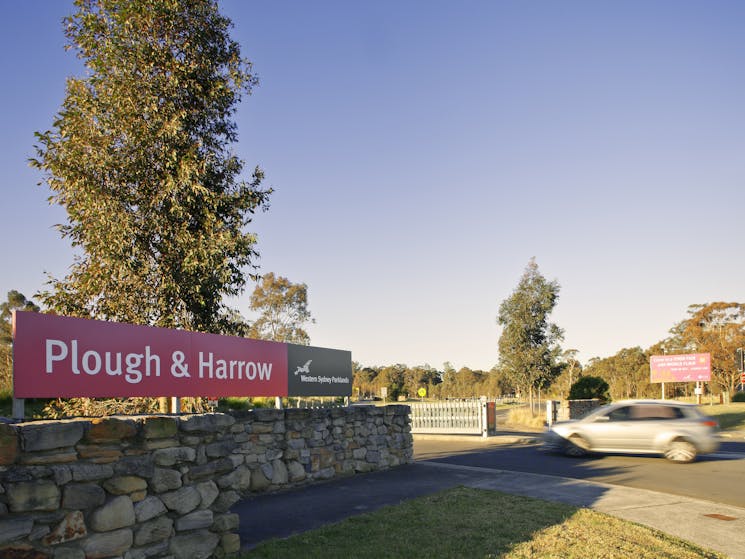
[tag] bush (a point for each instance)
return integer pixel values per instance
(739, 397)
(587, 388)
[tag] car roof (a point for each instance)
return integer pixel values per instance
(654, 402)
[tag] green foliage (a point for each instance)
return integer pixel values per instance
(718, 329)
(739, 397)
(587, 388)
(529, 344)
(402, 380)
(283, 310)
(626, 372)
(139, 156)
(16, 302)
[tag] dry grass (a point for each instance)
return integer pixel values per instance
(523, 417)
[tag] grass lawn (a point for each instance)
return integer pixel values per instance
(464, 522)
(731, 417)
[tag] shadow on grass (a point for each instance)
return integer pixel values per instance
(731, 420)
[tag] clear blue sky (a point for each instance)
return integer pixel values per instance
(422, 152)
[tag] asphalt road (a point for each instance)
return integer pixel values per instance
(717, 477)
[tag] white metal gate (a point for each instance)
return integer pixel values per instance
(465, 417)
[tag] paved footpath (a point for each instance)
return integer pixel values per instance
(279, 515)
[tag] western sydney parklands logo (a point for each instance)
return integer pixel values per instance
(319, 371)
(306, 376)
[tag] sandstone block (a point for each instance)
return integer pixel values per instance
(15, 528)
(69, 553)
(48, 435)
(183, 500)
(91, 472)
(208, 491)
(239, 479)
(165, 479)
(225, 500)
(110, 544)
(29, 496)
(279, 473)
(110, 429)
(194, 545)
(295, 471)
(99, 454)
(226, 522)
(175, 455)
(117, 513)
(148, 508)
(210, 469)
(208, 422)
(53, 457)
(124, 485)
(220, 448)
(153, 531)
(82, 496)
(159, 427)
(142, 466)
(195, 520)
(71, 528)
(230, 543)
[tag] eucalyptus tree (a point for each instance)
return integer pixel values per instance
(140, 158)
(283, 310)
(16, 301)
(529, 343)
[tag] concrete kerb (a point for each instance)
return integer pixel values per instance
(501, 438)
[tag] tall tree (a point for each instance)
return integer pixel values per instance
(139, 156)
(16, 302)
(529, 343)
(719, 329)
(283, 308)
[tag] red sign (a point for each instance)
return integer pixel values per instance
(689, 367)
(57, 356)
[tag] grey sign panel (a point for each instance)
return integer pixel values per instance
(318, 371)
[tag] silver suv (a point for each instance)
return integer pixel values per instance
(678, 431)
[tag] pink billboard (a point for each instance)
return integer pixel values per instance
(57, 356)
(689, 367)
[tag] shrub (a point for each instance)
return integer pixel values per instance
(587, 388)
(739, 397)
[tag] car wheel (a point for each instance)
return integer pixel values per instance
(681, 452)
(576, 446)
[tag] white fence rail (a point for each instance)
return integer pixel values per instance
(465, 417)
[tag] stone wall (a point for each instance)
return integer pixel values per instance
(162, 486)
(577, 409)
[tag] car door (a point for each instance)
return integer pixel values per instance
(609, 431)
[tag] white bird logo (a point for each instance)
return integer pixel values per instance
(305, 368)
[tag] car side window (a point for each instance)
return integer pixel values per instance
(655, 413)
(619, 414)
